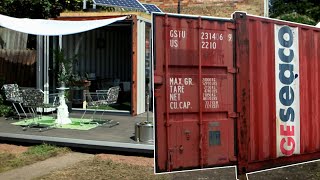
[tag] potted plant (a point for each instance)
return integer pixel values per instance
(65, 65)
(64, 71)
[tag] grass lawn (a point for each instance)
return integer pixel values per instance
(105, 169)
(34, 154)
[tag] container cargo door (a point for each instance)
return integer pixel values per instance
(194, 92)
(278, 92)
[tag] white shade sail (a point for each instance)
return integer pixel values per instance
(53, 27)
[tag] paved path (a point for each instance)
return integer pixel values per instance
(44, 167)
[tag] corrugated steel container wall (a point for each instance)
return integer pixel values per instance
(194, 88)
(257, 96)
(105, 51)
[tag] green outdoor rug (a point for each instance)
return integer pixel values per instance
(77, 123)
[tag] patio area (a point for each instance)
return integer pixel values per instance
(118, 138)
(89, 56)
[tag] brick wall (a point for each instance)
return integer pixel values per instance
(170, 3)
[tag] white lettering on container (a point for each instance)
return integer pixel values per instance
(287, 90)
(177, 89)
(209, 40)
(176, 36)
(210, 93)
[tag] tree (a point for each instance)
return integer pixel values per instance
(27, 8)
(301, 8)
(41, 9)
(295, 17)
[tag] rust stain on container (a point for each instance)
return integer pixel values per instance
(195, 72)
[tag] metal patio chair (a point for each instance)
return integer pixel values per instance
(102, 98)
(13, 95)
(33, 99)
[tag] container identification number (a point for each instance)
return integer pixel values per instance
(211, 36)
(208, 45)
(175, 36)
(208, 40)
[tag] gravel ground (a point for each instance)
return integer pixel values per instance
(132, 160)
(13, 149)
(110, 166)
(308, 171)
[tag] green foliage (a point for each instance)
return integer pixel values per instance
(314, 13)
(286, 8)
(295, 17)
(4, 109)
(65, 65)
(35, 8)
(27, 8)
(44, 151)
(64, 68)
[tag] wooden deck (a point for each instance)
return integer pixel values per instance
(119, 138)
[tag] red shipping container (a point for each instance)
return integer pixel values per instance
(195, 88)
(277, 92)
(239, 91)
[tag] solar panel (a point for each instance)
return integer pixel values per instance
(130, 4)
(152, 8)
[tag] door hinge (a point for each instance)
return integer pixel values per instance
(233, 115)
(233, 70)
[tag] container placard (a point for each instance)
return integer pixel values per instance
(287, 90)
